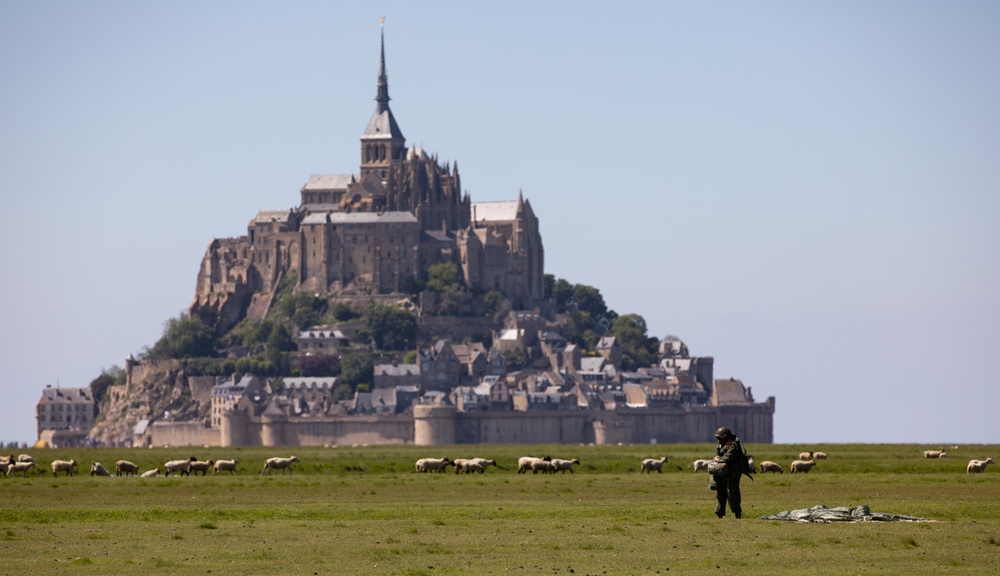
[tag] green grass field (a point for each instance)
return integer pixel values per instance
(365, 511)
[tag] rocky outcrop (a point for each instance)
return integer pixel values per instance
(154, 391)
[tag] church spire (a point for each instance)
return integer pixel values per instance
(382, 96)
(382, 142)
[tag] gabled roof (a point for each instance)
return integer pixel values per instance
(607, 342)
(502, 211)
(397, 370)
(329, 182)
(273, 215)
(58, 395)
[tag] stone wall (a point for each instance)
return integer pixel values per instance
(439, 425)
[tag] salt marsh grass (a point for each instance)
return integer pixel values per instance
(365, 511)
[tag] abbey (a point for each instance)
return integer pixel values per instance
(372, 232)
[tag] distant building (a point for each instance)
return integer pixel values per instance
(65, 416)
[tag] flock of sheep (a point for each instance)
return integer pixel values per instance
(10, 466)
(974, 466)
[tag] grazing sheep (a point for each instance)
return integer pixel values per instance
(559, 465)
(768, 466)
(935, 453)
(98, 469)
(202, 466)
(16, 467)
(25, 458)
(976, 466)
(469, 465)
(803, 466)
(433, 464)
(4, 466)
(182, 466)
(151, 473)
(700, 465)
(543, 466)
(524, 463)
(819, 456)
(805, 455)
(66, 466)
(226, 465)
(278, 464)
(125, 468)
(650, 464)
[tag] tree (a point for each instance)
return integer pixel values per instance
(562, 291)
(497, 304)
(184, 337)
(278, 342)
(443, 275)
(588, 299)
(514, 357)
(109, 377)
(319, 366)
(355, 369)
(391, 328)
(638, 349)
(549, 282)
(343, 312)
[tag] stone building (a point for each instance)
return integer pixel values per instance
(64, 416)
(376, 231)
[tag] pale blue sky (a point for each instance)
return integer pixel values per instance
(807, 192)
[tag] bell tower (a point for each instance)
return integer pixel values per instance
(382, 142)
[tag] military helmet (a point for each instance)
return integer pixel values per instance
(723, 433)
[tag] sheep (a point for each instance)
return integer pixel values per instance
(819, 456)
(805, 455)
(700, 465)
(278, 464)
(978, 465)
(469, 465)
(66, 466)
(25, 458)
(125, 468)
(16, 467)
(543, 466)
(202, 466)
(4, 466)
(433, 464)
(182, 466)
(768, 466)
(751, 464)
(151, 473)
(650, 464)
(935, 453)
(803, 466)
(524, 463)
(98, 469)
(559, 465)
(228, 465)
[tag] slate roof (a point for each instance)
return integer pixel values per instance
(329, 182)
(504, 210)
(56, 395)
(382, 124)
(394, 217)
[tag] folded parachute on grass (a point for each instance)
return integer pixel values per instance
(821, 513)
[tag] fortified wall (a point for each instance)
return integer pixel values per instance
(444, 425)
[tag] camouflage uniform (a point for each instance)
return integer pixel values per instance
(727, 487)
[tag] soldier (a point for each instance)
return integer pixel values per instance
(730, 459)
